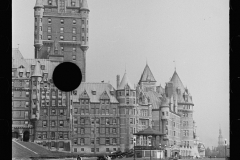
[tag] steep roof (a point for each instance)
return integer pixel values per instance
(177, 82)
(125, 81)
(100, 88)
(37, 71)
(154, 99)
(147, 75)
(16, 54)
(84, 5)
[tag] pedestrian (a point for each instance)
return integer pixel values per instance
(79, 158)
(109, 158)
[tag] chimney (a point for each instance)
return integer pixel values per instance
(118, 80)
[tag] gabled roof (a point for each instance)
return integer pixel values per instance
(149, 131)
(125, 81)
(100, 88)
(147, 75)
(104, 95)
(84, 95)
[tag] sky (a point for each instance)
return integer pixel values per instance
(127, 34)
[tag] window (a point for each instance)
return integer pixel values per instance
(167, 113)
(26, 115)
(107, 150)
(163, 113)
(60, 135)
(52, 135)
(107, 111)
(61, 123)
(39, 135)
(87, 30)
(114, 121)
(53, 111)
(53, 102)
(107, 121)
(53, 123)
(82, 141)
(107, 143)
(74, 38)
(97, 141)
(82, 29)
(114, 111)
(49, 2)
(82, 131)
(131, 121)
(114, 130)
(40, 28)
(59, 102)
(107, 130)
(97, 130)
(61, 30)
(74, 30)
(74, 49)
(35, 19)
(92, 149)
(65, 135)
(82, 38)
(27, 104)
(49, 37)
(127, 100)
(75, 121)
(74, 141)
(44, 123)
(92, 120)
(49, 20)
(61, 38)
(74, 57)
(26, 122)
(75, 110)
(42, 67)
(44, 135)
(103, 111)
(82, 149)
(62, 21)
(74, 21)
(92, 141)
(82, 21)
(44, 111)
(86, 111)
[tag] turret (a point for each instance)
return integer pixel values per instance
(36, 78)
(38, 27)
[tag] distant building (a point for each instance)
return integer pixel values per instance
(61, 31)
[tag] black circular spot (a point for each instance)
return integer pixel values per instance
(67, 76)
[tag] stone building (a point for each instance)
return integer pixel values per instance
(61, 31)
(44, 108)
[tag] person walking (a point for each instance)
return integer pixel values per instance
(79, 158)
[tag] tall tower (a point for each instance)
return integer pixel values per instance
(61, 31)
(220, 138)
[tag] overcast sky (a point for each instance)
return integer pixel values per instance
(194, 33)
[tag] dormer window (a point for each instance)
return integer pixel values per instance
(27, 74)
(112, 92)
(20, 74)
(49, 2)
(32, 67)
(94, 92)
(45, 75)
(73, 3)
(75, 92)
(42, 67)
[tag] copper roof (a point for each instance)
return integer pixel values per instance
(147, 75)
(149, 131)
(177, 82)
(125, 81)
(100, 88)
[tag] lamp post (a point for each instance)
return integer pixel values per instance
(160, 150)
(225, 144)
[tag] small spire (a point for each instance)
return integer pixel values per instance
(146, 62)
(174, 65)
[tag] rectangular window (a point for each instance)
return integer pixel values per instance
(103, 111)
(82, 29)
(114, 130)
(49, 37)
(53, 102)
(49, 20)
(60, 135)
(127, 100)
(74, 38)
(107, 143)
(97, 140)
(75, 110)
(53, 123)
(131, 121)
(44, 135)
(107, 121)
(61, 30)
(97, 130)
(92, 141)
(39, 135)
(61, 123)
(74, 30)
(107, 111)
(83, 38)
(44, 123)
(74, 21)
(61, 38)
(62, 21)
(44, 111)
(82, 21)
(59, 102)
(74, 57)
(163, 113)
(82, 131)
(74, 49)
(53, 112)
(92, 149)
